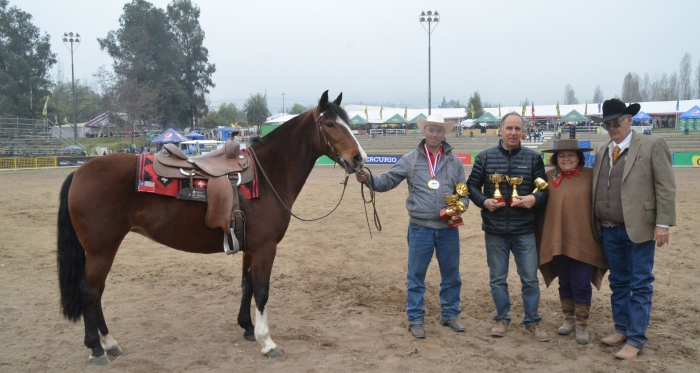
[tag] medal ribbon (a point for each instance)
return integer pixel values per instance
(433, 166)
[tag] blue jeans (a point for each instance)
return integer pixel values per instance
(422, 242)
(630, 281)
(498, 249)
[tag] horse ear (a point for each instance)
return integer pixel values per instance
(323, 102)
(338, 99)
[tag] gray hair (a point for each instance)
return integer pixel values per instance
(514, 113)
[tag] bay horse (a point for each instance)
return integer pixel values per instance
(99, 205)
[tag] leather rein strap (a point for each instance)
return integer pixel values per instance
(372, 200)
(339, 159)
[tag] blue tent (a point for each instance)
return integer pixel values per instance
(225, 132)
(641, 116)
(169, 136)
(194, 136)
(693, 113)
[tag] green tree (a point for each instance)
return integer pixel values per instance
(196, 71)
(25, 63)
(298, 109)
(475, 102)
(255, 109)
(147, 63)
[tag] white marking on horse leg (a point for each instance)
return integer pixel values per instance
(110, 345)
(262, 331)
(362, 151)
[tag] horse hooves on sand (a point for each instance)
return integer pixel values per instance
(250, 337)
(100, 360)
(114, 351)
(275, 352)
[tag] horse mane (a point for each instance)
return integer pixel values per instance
(332, 110)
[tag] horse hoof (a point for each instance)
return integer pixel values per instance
(275, 352)
(250, 337)
(115, 351)
(101, 360)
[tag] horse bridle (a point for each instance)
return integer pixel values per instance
(340, 161)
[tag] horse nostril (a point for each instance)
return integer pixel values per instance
(357, 159)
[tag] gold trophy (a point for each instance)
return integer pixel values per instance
(496, 179)
(540, 184)
(514, 181)
(454, 205)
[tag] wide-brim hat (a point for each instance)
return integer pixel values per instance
(435, 119)
(614, 108)
(567, 145)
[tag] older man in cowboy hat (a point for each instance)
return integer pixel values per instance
(431, 172)
(634, 195)
(509, 224)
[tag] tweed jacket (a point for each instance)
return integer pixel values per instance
(648, 187)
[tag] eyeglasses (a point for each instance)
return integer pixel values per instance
(615, 124)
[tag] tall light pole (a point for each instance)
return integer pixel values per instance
(432, 19)
(74, 40)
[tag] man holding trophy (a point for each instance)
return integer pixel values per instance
(514, 182)
(437, 196)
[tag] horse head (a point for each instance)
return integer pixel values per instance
(334, 130)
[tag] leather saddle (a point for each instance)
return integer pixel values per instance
(224, 169)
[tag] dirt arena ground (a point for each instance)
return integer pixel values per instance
(337, 297)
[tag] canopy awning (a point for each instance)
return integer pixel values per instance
(486, 118)
(574, 116)
(170, 135)
(358, 120)
(396, 119)
(693, 113)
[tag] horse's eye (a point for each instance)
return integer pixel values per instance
(330, 124)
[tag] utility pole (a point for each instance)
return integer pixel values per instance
(282, 103)
(68, 37)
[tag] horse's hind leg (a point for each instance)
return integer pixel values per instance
(96, 269)
(244, 320)
(108, 343)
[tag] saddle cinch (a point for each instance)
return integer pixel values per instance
(224, 169)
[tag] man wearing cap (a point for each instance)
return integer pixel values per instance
(510, 225)
(634, 194)
(431, 172)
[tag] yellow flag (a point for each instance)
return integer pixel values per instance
(558, 109)
(380, 112)
(366, 117)
(46, 107)
(499, 110)
(473, 111)
(585, 110)
(405, 113)
(524, 108)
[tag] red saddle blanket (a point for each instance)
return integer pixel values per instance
(147, 180)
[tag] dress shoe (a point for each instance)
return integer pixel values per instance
(417, 331)
(616, 339)
(499, 328)
(455, 325)
(628, 353)
(537, 333)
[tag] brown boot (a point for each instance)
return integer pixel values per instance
(567, 309)
(583, 310)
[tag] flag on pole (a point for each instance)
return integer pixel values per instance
(598, 107)
(524, 108)
(46, 107)
(473, 111)
(405, 113)
(499, 110)
(558, 114)
(533, 110)
(366, 116)
(678, 104)
(585, 109)
(380, 112)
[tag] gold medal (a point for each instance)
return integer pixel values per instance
(433, 184)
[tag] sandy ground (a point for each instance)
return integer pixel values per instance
(337, 297)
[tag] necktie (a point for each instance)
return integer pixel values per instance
(616, 153)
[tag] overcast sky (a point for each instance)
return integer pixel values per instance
(377, 51)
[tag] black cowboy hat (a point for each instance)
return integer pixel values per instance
(614, 108)
(567, 145)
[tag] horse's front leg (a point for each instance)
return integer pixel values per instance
(261, 270)
(244, 320)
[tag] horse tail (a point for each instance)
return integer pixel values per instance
(71, 259)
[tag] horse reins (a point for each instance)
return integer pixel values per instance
(370, 187)
(339, 160)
